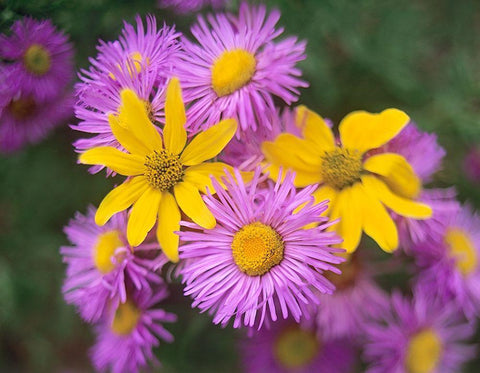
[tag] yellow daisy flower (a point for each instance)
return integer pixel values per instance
(359, 187)
(164, 174)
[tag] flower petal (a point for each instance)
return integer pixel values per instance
(200, 175)
(168, 223)
(363, 131)
(323, 193)
(402, 206)
(174, 133)
(398, 173)
(116, 160)
(209, 143)
(143, 216)
(315, 129)
(120, 198)
(304, 150)
(287, 157)
(126, 137)
(191, 203)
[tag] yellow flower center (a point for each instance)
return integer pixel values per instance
(462, 249)
(232, 70)
(341, 167)
(104, 250)
(256, 248)
(423, 352)
(296, 348)
(37, 59)
(126, 318)
(163, 170)
(350, 270)
(22, 108)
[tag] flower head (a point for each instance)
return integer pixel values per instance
(358, 186)
(259, 260)
(238, 68)
(471, 165)
(164, 174)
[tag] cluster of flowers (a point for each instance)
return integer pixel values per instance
(36, 67)
(261, 207)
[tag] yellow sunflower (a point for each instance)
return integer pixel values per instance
(358, 186)
(163, 173)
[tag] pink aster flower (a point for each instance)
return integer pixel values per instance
(290, 348)
(100, 264)
(259, 260)
(190, 6)
(239, 67)
(418, 335)
(125, 339)
(39, 56)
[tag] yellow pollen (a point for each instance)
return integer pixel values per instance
(462, 249)
(232, 70)
(256, 248)
(341, 167)
(350, 271)
(163, 170)
(423, 352)
(295, 348)
(126, 318)
(104, 250)
(22, 108)
(37, 59)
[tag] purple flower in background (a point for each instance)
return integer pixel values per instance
(100, 264)
(418, 335)
(290, 347)
(471, 164)
(238, 68)
(259, 260)
(125, 339)
(190, 6)
(39, 56)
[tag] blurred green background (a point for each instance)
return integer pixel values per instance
(420, 56)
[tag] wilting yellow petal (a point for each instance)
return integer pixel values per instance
(174, 134)
(120, 198)
(397, 173)
(126, 137)
(133, 115)
(402, 206)
(143, 216)
(315, 129)
(168, 222)
(191, 203)
(200, 175)
(116, 160)
(363, 131)
(209, 143)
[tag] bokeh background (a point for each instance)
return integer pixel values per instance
(422, 56)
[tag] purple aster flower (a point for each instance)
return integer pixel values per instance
(39, 56)
(451, 265)
(125, 339)
(356, 299)
(289, 347)
(418, 335)
(238, 68)
(190, 6)
(471, 165)
(100, 264)
(259, 259)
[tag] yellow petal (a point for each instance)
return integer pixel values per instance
(363, 131)
(143, 216)
(402, 206)
(116, 160)
(302, 178)
(133, 115)
(304, 150)
(120, 198)
(200, 175)
(174, 134)
(323, 193)
(286, 157)
(377, 223)
(168, 222)
(315, 129)
(191, 203)
(350, 225)
(398, 173)
(209, 143)
(126, 137)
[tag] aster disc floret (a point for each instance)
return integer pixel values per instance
(259, 260)
(164, 173)
(421, 335)
(125, 339)
(358, 185)
(238, 68)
